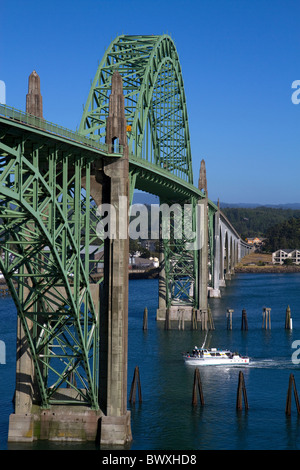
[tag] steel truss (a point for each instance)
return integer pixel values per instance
(48, 216)
(158, 135)
(47, 228)
(180, 259)
(155, 103)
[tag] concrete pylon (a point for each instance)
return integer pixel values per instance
(34, 100)
(203, 256)
(203, 234)
(115, 425)
(202, 182)
(215, 291)
(112, 422)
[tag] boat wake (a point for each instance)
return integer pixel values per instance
(276, 363)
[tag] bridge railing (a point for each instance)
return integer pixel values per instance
(39, 123)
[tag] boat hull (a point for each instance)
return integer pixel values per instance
(211, 361)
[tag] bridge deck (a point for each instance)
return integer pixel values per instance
(150, 178)
(25, 122)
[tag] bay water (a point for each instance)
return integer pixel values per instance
(166, 419)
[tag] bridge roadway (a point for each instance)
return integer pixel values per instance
(149, 178)
(71, 377)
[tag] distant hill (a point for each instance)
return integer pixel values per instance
(284, 235)
(141, 197)
(251, 222)
(292, 205)
(248, 219)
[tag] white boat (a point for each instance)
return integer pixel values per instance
(213, 356)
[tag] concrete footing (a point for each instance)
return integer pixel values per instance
(115, 430)
(214, 293)
(175, 313)
(75, 425)
(178, 317)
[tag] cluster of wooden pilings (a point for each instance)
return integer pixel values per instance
(266, 319)
(241, 396)
(209, 324)
(202, 320)
(241, 391)
(4, 290)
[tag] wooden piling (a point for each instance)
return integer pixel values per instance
(266, 318)
(167, 322)
(288, 319)
(145, 320)
(210, 319)
(197, 384)
(194, 319)
(288, 406)
(135, 382)
(180, 319)
(203, 316)
(241, 392)
(244, 320)
(229, 318)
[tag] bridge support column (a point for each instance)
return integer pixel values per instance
(202, 230)
(162, 291)
(108, 419)
(215, 291)
(115, 424)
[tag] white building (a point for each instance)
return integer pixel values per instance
(279, 256)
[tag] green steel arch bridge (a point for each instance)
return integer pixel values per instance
(72, 320)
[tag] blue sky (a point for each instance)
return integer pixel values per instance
(238, 58)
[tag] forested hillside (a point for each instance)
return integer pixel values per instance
(257, 221)
(284, 235)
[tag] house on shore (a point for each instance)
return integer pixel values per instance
(279, 256)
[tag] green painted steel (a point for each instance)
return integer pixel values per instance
(181, 262)
(25, 119)
(155, 103)
(158, 138)
(47, 224)
(49, 244)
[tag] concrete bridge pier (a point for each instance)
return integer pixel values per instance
(216, 283)
(115, 423)
(110, 424)
(162, 300)
(202, 231)
(178, 314)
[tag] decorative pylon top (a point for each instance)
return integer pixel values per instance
(34, 101)
(202, 182)
(116, 121)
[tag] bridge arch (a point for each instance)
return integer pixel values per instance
(155, 102)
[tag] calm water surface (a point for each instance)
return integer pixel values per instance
(166, 420)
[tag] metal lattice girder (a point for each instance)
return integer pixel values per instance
(158, 136)
(48, 223)
(155, 103)
(180, 259)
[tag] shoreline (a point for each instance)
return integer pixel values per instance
(154, 273)
(279, 269)
(144, 274)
